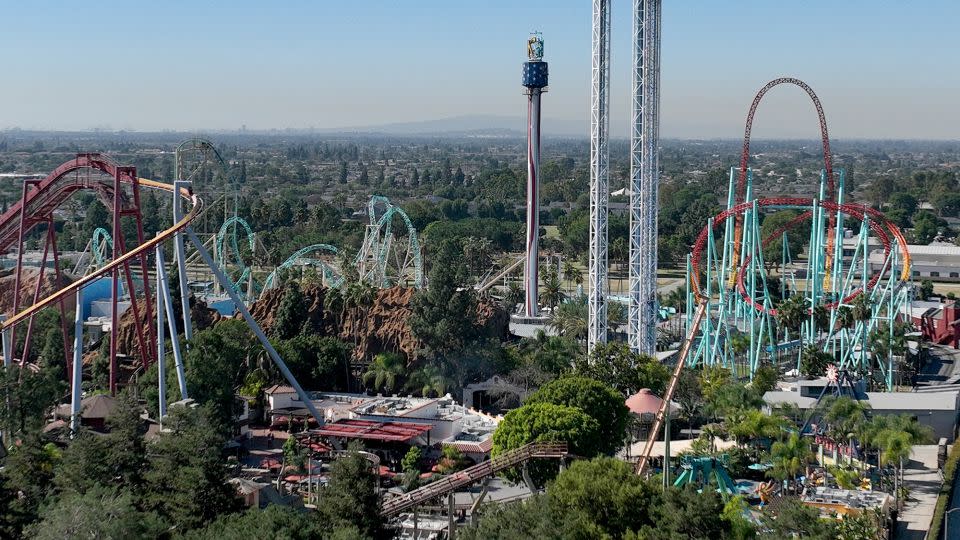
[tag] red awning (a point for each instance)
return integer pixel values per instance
(378, 431)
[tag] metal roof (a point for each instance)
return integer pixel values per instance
(379, 431)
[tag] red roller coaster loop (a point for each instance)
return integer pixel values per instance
(39, 201)
(879, 224)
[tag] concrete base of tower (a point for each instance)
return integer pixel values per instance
(523, 326)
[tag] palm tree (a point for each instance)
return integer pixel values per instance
(428, 380)
(572, 274)
(514, 296)
(333, 303)
(846, 317)
(570, 319)
(552, 292)
(616, 314)
(384, 371)
(845, 416)
(893, 436)
(790, 458)
(862, 308)
(792, 312)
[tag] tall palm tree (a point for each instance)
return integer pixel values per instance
(570, 319)
(844, 416)
(790, 458)
(572, 274)
(792, 312)
(333, 303)
(384, 371)
(552, 292)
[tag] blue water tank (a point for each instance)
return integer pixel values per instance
(535, 74)
(96, 290)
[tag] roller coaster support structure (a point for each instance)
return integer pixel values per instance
(182, 259)
(76, 371)
(165, 306)
(244, 312)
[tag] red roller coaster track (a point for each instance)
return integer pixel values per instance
(36, 206)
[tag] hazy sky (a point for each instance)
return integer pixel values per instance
(882, 69)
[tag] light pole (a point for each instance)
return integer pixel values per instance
(946, 522)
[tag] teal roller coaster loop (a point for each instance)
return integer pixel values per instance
(332, 278)
(374, 259)
(222, 235)
(100, 245)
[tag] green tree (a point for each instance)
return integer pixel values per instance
(793, 519)
(411, 460)
(291, 314)
(27, 476)
(100, 512)
(685, 513)
(764, 379)
(547, 422)
(112, 460)
(597, 400)
(572, 274)
(384, 371)
(513, 297)
(790, 458)
(615, 365)
(608, 493)
(280, 522)
(570, 319)
(814, 362)
(350, 500)
(186, 479)
(551, 294)
(926, 289)
(793, 312)
(534, 517)
(429, 380)
(28, 395)
(444, 316)
(292, 454)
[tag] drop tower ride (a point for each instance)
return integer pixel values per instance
(534, 84)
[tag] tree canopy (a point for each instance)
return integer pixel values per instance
(597, 400)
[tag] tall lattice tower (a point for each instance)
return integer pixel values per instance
(644, 175)
(599, 174)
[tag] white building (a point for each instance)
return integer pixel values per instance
(444, 420)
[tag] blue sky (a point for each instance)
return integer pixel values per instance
(883, 69)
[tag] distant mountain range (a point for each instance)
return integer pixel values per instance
(469, 125)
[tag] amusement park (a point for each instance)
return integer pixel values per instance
(368, 335)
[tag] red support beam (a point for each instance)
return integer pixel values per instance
(146, 356)
(28, 338)
(63, 308)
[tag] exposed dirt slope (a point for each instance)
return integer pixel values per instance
(28, 280)
(380, 328)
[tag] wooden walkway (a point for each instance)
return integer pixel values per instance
(545, 450)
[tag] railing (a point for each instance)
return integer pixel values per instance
(471, 475)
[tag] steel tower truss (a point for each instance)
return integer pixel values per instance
(644, 176)
(599, 174)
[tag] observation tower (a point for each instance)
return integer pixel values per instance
(534, 85)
